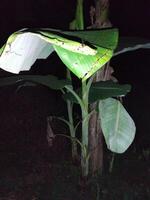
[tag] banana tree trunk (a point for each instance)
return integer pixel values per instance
(99, 19)
(95, 143)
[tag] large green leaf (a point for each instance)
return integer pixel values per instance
(102, 90)
(83, 66)
(106, 38)
(105, 89)
(82, 53)
(50, 81)
(60, 39)
(117, 126)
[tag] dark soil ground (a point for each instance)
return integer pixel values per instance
(30, 170)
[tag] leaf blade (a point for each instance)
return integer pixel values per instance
(83, 66)
(127, 44)
(49, 81)
(25, 46)
(117, 126)
(102, 90)
(105, 89)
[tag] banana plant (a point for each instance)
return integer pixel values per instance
(83, 53)
(75, 48)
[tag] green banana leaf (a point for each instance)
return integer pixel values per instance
(126, 44)
(50, 81)
(101, 90)
(106, 38)
(83, 66)
(117, 125)
(83, 52)
(105, 89)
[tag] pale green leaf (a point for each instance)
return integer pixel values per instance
(117, 125)
(22, 50)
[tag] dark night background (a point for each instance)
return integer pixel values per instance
(23, 113)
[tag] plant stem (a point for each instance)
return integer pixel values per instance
(111, 163)
(77, 24)
(85, 130)
(85, 124)
(72, 130)
(71, 124)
